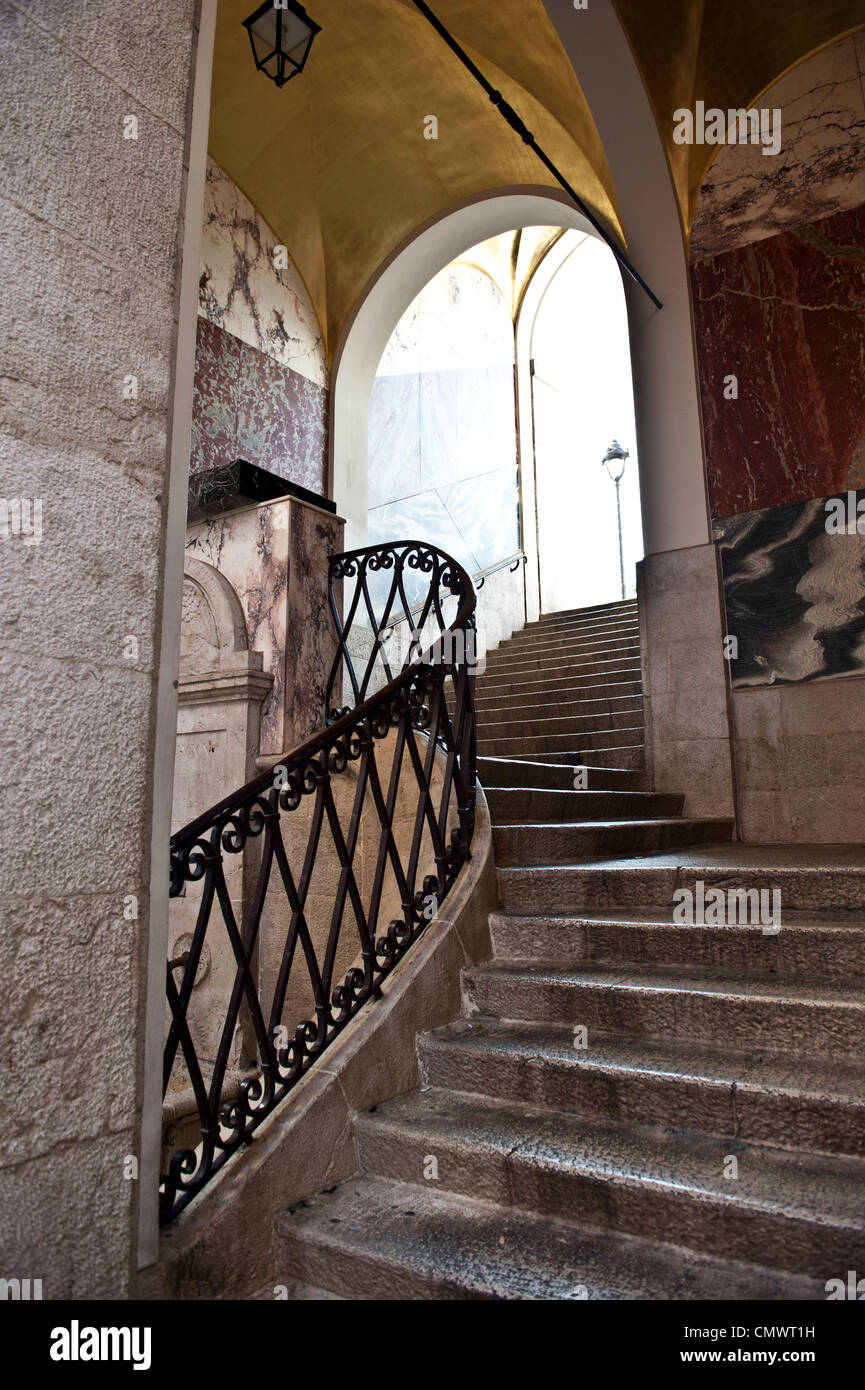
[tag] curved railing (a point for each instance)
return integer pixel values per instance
(369, 822)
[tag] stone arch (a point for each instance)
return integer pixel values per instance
(411, 267)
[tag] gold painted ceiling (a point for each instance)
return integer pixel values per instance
(337, 163)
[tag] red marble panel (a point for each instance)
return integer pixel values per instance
(214, 408)
(247, 405)
(786, 316)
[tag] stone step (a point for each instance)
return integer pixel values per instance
(830, 945)
(627, 605)
(523, 772)
(666, 1002)
(555, 686)
(528, 804)
(569, 675)
(629, 757)
(540, 634)
(616, 696)
(564, 648)
(623, 736)
(534, 723)
(788, 1101)
(546, 634)
(564, 843)
(809, 877)
(563, 653)
(627, 617)
(375, 1239)
(591, 700)
(801, 1213)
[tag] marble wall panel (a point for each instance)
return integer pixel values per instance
(261, 370)
(242, 291)
(394, 439)
(794, 594)
(311, 640)
(501, 416)
(485, 510)
(214, 418)
(467, 427)
(786, 316)
(281, 421)
(249, 406)
(442, 441)
(425, 339)
(423, 517)
(819, 171)
(444, 420)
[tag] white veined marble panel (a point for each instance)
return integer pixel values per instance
(242, 290)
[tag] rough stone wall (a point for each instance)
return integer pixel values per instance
(90, 221)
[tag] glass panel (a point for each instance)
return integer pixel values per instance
(264, 29)
(297, 55)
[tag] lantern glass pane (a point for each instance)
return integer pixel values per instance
(293, 33)
(296, 35)
(264, 33)
(295, 40)
(297, 55)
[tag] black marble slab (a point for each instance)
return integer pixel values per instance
(794, 589)
(233, 485)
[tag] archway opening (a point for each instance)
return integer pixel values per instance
(495, 398)
(442, 424)
(589, 531)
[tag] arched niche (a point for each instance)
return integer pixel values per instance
(213, 626)
(220, 693)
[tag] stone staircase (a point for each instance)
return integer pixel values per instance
(629, 1108)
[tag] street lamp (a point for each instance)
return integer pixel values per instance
(616, 453)
(281, 35)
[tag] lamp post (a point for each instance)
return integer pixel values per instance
(616, 453)
(281, 33)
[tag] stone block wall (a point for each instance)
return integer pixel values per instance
(90, 224)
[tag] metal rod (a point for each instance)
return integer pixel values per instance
(514, 121)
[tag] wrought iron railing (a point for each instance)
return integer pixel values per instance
(479, 578)
(369, 822)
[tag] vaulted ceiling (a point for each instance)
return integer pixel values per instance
(337, 162)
